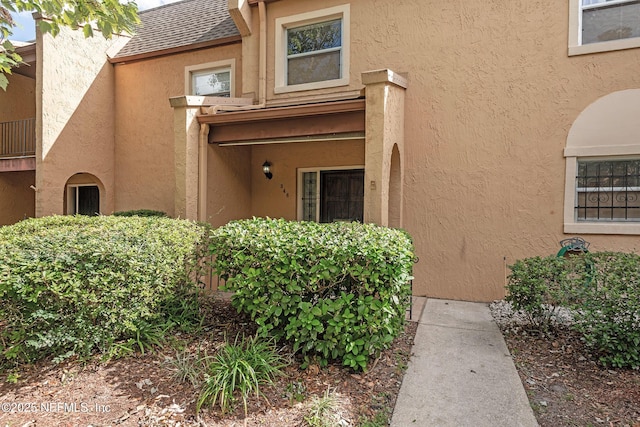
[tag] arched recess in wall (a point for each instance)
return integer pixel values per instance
(83, 194)
(395, 189)
(602, 181)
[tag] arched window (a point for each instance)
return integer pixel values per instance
(602, 183)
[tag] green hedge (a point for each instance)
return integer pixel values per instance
(336, 291)
(73, 285)
(601, 289)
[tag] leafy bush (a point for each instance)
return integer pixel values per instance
(609, 315)
(540, 286)
(601, 289)
(142, 212)
(243, 367)
(73, 285)
(336, 291)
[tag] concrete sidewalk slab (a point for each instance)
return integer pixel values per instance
(461, 372)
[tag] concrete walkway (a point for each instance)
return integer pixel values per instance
(460, 373)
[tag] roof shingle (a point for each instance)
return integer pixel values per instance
(180, 24)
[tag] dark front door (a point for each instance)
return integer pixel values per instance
(88, 200)
(342, 195)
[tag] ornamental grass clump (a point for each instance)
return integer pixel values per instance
(240, 368)
(334, 291)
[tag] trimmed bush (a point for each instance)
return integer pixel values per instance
(72, 285)
(602, 290)
(336, 291)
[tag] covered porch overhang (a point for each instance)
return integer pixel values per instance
(376, 121)
(337, 120)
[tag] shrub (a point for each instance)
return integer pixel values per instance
(601, 289)
(540, 286)
(142, 212)
(336, 291)
(73, 285)
(609, 315)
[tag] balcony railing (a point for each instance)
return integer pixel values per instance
(18, 138)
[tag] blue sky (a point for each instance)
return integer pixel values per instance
(25, 28)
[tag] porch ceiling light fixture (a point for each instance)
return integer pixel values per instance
(266, 168)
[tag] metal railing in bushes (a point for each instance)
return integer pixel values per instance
(18, 138)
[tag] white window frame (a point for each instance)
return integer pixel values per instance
(575, 32)
(282, 24)
(571, 223)
(216, 67)
(300, 185)
(73, 200)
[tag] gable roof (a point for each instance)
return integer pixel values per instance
(175, 27)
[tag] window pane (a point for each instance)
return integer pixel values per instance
(212, 83)
(613, 22)
(314, 37)
(314, 68)
(309, 195)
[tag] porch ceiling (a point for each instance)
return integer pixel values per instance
(282, 123)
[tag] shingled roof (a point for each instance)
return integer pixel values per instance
(180, 26)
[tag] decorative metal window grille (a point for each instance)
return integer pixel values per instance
(608, 190)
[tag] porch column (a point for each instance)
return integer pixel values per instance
(384, 147)
(187, 162)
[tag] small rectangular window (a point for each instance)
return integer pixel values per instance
(607, 20)
(211, 83)
(608, 190)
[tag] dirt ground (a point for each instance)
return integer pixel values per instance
(567, 387)
(143, 390)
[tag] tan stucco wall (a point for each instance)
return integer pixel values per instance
(144, 154)
(18, 101)
(229, 184)
(490, 100)
(491, 97)
(17, 200)
(276, 197)
(75, 117)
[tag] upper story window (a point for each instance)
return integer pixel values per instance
(211, 83)
(210, 79)
(603, 25)
(312, 50)
(608, 190)
(606, 20)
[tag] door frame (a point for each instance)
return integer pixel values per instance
(300, 185)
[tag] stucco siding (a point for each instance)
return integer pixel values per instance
(492, 94)
(277, 197)
(18, 101)
(75, 117)
(144, 152)
(17, 200)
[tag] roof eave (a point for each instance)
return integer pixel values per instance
(177, 49)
